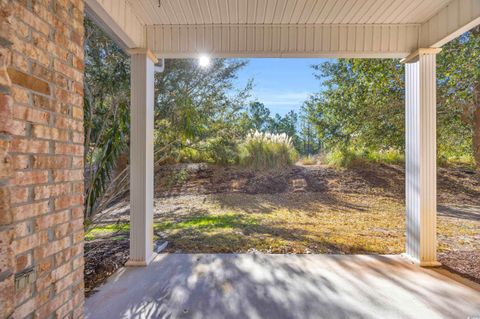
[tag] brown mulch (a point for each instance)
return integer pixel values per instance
(102, 258)
(463, 263)
(456, 184)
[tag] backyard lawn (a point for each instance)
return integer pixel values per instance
(353, 212)
(288, 223)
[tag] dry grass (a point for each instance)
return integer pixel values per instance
(294, 223)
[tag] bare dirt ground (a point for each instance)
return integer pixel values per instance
(302, 209)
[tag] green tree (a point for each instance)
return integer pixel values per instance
(259, 116)
(106, 111)
(458, 73)
(362, 105)
(197, 117)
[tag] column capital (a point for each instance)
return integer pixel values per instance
(413, 57)
(145, 51)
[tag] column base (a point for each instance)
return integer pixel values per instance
(426, 264)
(140, 263)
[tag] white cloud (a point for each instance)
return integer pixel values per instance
(281, 102)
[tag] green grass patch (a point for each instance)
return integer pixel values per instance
(108, 229)
(208, 222)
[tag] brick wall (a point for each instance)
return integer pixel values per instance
(41, 158)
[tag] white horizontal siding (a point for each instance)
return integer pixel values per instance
(283, 40)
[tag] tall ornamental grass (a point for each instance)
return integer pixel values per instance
(267, 151)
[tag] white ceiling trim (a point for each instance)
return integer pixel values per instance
(313, 40)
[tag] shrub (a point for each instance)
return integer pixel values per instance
(265, 150)
(351, 158)
(221, 150)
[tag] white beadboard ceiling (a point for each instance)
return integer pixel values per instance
(267, 12)
(285, 28)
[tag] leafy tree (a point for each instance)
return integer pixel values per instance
(195, 113)
(362, 105)
(458, 73)
(309, 142)
(259, 116)
(106, 111)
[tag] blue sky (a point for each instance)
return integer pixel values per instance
(281, 84)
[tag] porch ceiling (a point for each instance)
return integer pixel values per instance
(265, 12)
(285, 28)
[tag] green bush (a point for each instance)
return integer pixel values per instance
(265, 150)
(351, 158)
(221, 150)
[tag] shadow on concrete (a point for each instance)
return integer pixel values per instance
(281, 286)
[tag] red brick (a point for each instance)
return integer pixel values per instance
(64, 310)
(41, 72)
(24, 310)
(20, 95)
(30, 115)
(46, 191)
(23, 229)
(22, 262)
(52, 248)
(68, 280)
(77, 113)
(32, 20)
(77, 212)
(67, 123)
(61, 271)
(51, 220)
(68, 175)
(6, 105)
(52, 162)
(24, 294)
(7, 288)
(27, 211)
(30, 242)
(50, 133)
(77, 162)
(18, 195)
(68, 201)
(78, 187)
(68, 149)
(29, 82)
(5, 200)
(78, 262)
(20, 161)
(23, 145)
(52, 305)
(6, 166)
(29, 178)
(6, 250)
(44, 267)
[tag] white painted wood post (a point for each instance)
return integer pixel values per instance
(420, 157)
(141, 157)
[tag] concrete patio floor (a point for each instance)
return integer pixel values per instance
(282, 286)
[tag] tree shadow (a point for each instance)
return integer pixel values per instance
(465, 212)
(280, 286)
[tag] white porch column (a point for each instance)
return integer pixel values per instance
(420, 156)
(141, 157)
